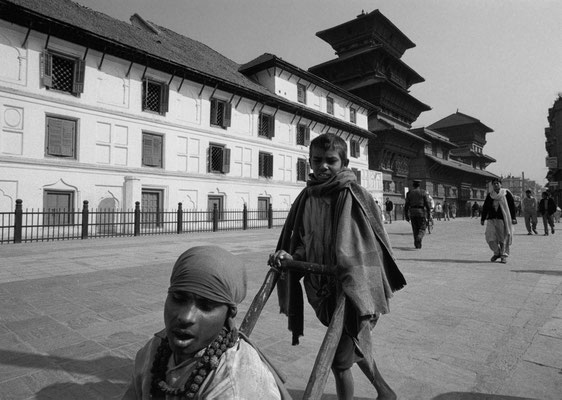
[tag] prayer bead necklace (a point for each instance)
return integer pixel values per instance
(208, 362)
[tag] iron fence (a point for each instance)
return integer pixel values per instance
(22, 226)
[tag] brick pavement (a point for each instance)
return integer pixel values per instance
(74, 313)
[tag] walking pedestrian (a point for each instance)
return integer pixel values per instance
(446, 211)
(529, 206)
(499, 212)
(332, 222)
(417, 209)
(389, 206)
(547, 208)
(438, 210)
(475, 209)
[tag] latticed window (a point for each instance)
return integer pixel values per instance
(265, 165)
(353, 115)
(266, 126)
(154, 96)
(301, 93)
(220, 113)
(354, 148)
(303, 135)
(62, 73)
(302, 169)
(330, 105)
(218, 159)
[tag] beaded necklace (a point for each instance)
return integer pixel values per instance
(208, 362)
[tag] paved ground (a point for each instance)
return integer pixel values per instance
(74, 313)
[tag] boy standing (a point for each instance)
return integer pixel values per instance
(333, 221)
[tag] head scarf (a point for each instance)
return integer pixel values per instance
(210, 272)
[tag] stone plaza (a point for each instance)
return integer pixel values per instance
(74, 313)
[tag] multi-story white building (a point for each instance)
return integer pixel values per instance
(93, 108)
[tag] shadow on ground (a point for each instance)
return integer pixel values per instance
(298, 394)
(445, 260)
(538, 271)
(477, 396)
(108, 376)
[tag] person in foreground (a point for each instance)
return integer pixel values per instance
(334, 221)
(200, 354)
(499, 211)
(417, 209)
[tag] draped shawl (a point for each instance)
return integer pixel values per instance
(356, 279)
(502, 201)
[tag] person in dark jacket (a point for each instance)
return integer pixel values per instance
(499, 212)
(547, 208)
(417, 209)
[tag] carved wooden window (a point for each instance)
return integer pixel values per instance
(62, 73)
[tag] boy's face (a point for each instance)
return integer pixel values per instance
(192, 322)
(325, 163)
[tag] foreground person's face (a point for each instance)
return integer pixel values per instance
(325, 163)
(192, 323)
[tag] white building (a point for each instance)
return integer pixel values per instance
(93, 108)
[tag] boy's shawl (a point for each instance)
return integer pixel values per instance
(358, 279)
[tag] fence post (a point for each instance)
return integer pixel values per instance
(180, 218)
(85, 214)
(18, 221)
(270, 216)
(245, 217)
(215, 217)
(137, 218)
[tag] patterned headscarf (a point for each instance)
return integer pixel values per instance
(210, 272)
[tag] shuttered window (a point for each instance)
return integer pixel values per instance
(330, 105)
(353, 115)
(221, 112)
(152, 150)
(355, 148)
(61, 137)
(301, 93)
(218, 159)
(303, 135)
(302, 170)
(58, 207)
(62, 73)
(357, 174)
(266, 126)
(265, 165)
(155, 96)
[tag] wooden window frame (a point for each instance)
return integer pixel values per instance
(217, 114)
(330, 105)
(263, 121)
(164, 99)
(52, 143)
(58, 216)
(47, 73)
(224, 161)
(301, 93)
(303, 132)
(156, 158)
(265, 165)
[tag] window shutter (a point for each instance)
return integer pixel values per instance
(357, 149)
(54, 139)
(47, 68)
(307, 136)
(271, 126)
(157, 151)
(214, 108)
(209, 154)
(358, 176)
(164, 98)
(145, 94)
(78, 80)
(269, 165)
(226, 161)
(227, 115)
(147, 146)
(67, 139)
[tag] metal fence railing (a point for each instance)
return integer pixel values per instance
(22, 226)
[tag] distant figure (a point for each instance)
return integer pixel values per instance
(446, 211)
(475, 210)
(557, 215)
(438, 210)
(547, 208)
(417, 208)
(499, 211)
(389, 206)
(453, 208)
(529, 206)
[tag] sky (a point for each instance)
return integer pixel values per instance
(498, 61)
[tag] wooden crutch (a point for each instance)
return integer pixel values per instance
(323, 362)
